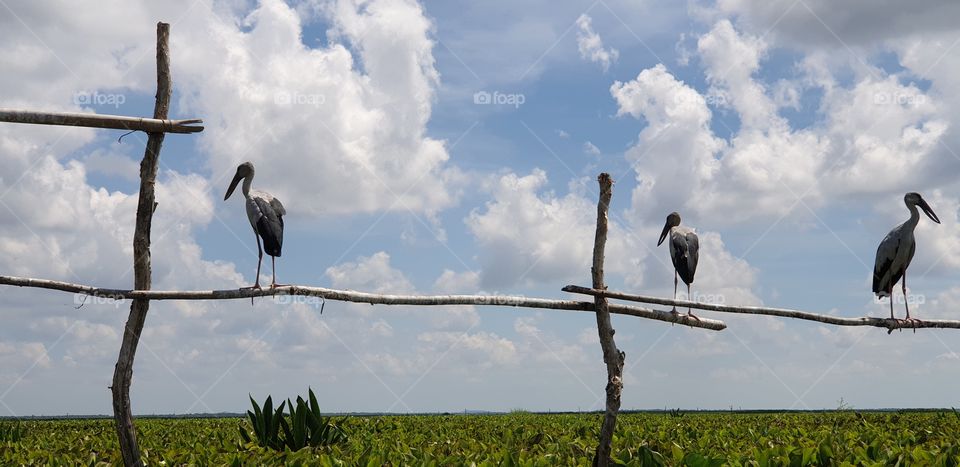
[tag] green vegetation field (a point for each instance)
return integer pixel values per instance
(697, 439)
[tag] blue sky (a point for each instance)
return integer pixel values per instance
(784, 133)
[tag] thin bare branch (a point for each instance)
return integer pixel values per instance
(887, 323)
(360, 297)
(91, 120)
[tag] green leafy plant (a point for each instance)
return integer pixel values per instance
(11, 432)
(307, 427)
(266, 424)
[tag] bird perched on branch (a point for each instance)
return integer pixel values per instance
(896, 251)
(684, 252)
(266, 217)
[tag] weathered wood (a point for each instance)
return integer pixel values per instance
(889, 324)
(119, 122)
(360, 297)
(123, 373)
(612, 357)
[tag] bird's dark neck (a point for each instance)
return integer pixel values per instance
(914, 216)
(248, 180)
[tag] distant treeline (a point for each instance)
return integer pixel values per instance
(483, 412)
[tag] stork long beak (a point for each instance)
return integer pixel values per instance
(928, 211)
(233, 185)
(663, 235)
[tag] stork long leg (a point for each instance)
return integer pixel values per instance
(891, 304)
(903, 284)
(256, 283)
(674, 290)
(689, 298)
(905, 304)
(273, 265)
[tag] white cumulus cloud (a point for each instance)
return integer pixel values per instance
(591, 46)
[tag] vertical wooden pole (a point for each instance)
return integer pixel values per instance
(612, 357)
(123, 372)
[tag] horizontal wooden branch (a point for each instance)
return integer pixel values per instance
(889, 324)
(362, 297)
(150, 125)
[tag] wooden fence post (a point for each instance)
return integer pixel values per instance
(611, 355)
(123, 373)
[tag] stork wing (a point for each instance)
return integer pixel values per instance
(685, 253)
(278, 207)
(883, 266)
(693, 253)
(270, 224)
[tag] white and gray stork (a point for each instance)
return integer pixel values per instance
(266, 217)
(896, 250)
(684, 252)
